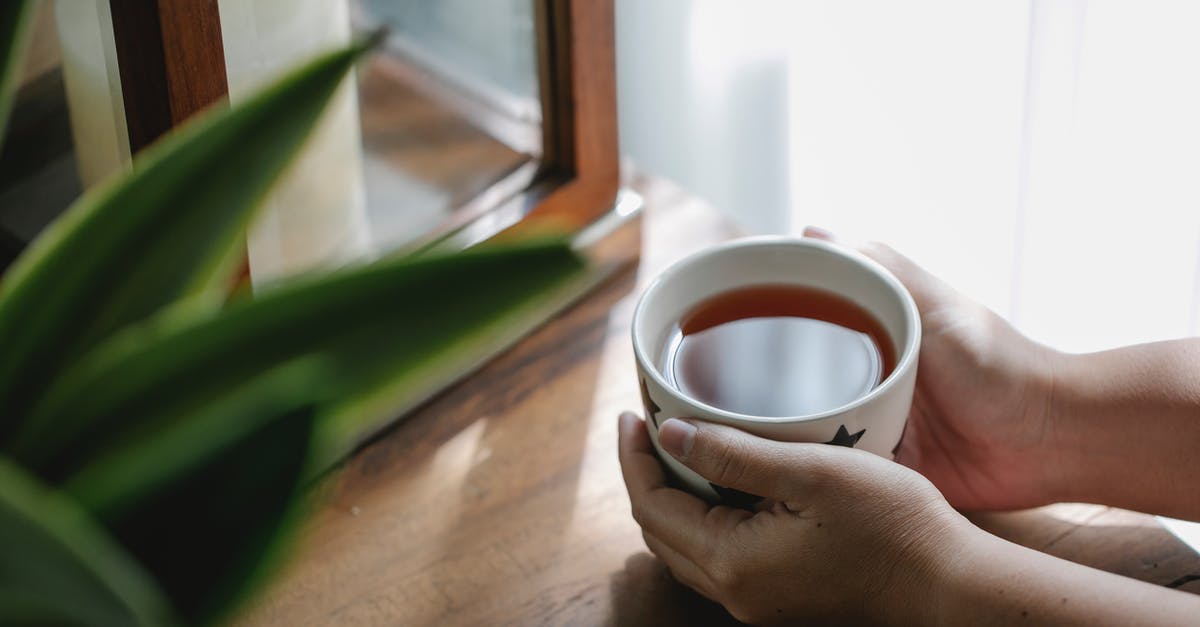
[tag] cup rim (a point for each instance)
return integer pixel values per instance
(908, 356)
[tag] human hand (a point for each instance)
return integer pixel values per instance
(845, 536)
(981, 425)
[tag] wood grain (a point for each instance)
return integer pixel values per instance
(578, 169)
(195, 55)
(501, 502)
(580, 108)
(143, 70)
(171, 61)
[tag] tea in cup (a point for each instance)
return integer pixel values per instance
(790, 339)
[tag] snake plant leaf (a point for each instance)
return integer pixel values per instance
(59, 567)
(159, 453)
(372, 324)
(166, 231)
(15, 16)
(209, 501)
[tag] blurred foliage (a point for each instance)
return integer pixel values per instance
(155, 438)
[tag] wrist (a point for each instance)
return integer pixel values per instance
(964, 551)
(991, 581)
(1072, 384)
(1127, 414)
(926, 568)
(1057, 383)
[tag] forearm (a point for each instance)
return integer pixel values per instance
(990, 581)
(1126, 428)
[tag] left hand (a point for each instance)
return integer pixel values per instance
(844, 536)
(984, 425)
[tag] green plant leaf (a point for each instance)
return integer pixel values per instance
(164, 232)
(58, 567)
(208, 501)
(15, 16)
(155, 454)
(371, 324)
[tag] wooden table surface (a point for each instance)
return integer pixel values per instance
(501, 501)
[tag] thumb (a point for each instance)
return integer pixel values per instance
(735, 459)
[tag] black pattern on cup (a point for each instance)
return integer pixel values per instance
(845, 438)
(648, 403)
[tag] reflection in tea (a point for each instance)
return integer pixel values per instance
(777, 350)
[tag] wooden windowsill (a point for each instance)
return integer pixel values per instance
(501, 502)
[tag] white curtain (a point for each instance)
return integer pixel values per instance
(702, 91)
(1042, 156)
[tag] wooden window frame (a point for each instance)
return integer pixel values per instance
(580, 111)
(172, 65)
(171, 61)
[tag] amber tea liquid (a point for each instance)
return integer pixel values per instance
(777, 350)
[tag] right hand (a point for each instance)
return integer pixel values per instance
(980, 427)
(848, 537)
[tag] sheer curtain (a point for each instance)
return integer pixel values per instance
(1042, 156)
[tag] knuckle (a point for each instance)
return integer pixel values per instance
(879, 251)
(639, 516)
(819, 468)
(732, 583)
(728, 576)
(646, 538)
(725, 464)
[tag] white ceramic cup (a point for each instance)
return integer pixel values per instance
(873, 422)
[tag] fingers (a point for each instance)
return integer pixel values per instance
(903, 267)
(817, 232)
(682, 568)
(735, 459)
(927, 290)
(682, 521)
(639, 466)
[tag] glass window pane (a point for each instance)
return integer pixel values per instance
(450, 111)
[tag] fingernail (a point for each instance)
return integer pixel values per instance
(677, 437)
(817, 232)
(626, 421)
